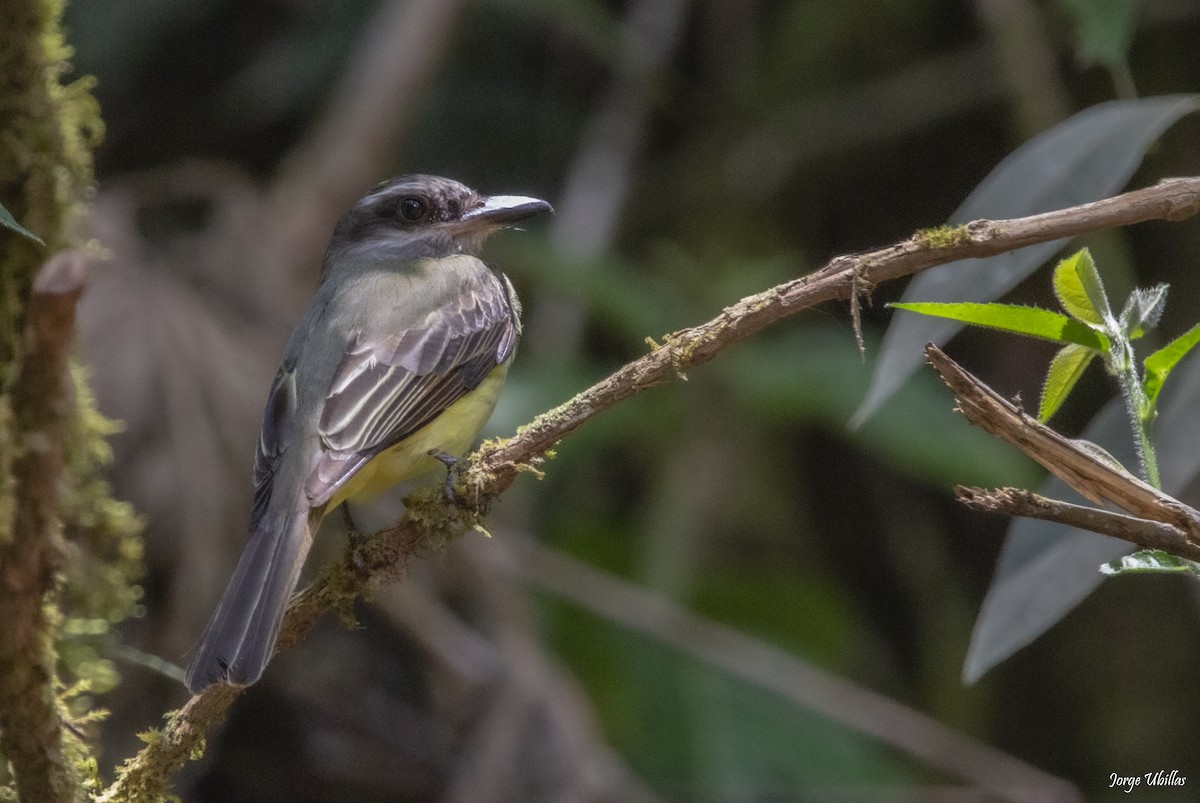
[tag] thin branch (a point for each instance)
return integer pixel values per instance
(185, 735)
(31, 728)
(491, 470)
(1025, 57)
(600, 176)
(792, 678)
(599, 179)
(1171, 199)
(356, 139)
(1081, 466)
(1137, 531)
(904, 102)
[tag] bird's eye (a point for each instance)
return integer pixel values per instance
(412, 210)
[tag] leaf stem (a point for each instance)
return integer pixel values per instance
(1140, 409)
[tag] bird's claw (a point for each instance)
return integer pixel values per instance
(354, 535)
(451, 464)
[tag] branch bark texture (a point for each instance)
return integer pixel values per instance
(1171, 199)
(31, 727)
(999, 775)
(1137, 531)
(380, 92)
(45, 166)
(494, 467)
(1158, 521)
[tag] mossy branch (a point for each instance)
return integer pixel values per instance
(1171, 199)
(490, 471)
(31, 727)
(45, 173)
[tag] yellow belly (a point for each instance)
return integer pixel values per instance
(452, 432)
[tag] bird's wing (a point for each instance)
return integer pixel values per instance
(389, 384)
(273, 438)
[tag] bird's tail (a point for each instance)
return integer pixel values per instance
(241, 635)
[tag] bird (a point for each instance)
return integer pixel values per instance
(396, 365)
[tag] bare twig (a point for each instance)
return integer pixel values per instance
(1027, 60)
(1101, 480)
(903, 102)
(31, 729)
(1003, 776)
(531, 704)
(355, 141)
(1027, 504)
(598, 182)
(496, 465)
(599, 179)
(1171, 199)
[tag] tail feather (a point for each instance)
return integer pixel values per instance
(241, 635)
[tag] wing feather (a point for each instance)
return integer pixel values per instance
(273, 438)
(388, 386)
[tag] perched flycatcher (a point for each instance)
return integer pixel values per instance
(400, 357)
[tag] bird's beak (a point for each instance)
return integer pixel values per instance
(504, 210)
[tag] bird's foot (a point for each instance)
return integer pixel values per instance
(455, 469)
(451, 464)
(355, 536)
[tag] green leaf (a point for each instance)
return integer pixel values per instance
(1087, 157)
(1151, 560)
(1021, 320)
(1160, 364)
(9, 222)
(1084, 267)
(1065, 369)
(1071, 293)
(1143, 309)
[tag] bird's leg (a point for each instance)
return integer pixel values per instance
(348, 520)
(353, 534)
(453, 470)
(450, 462)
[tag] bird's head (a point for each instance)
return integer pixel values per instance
(416, 216)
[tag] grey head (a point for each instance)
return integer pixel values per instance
(416, 216)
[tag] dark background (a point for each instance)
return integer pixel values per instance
(696, 152)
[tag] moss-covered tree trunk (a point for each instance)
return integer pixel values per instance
(46, 131)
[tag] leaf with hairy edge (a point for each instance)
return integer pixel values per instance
(1084, 266)
(1087, 157)
(1030, 321)
(1065, 369)
(1151, 560)
(9, 222)
(1071, 294)
(1160, 364)
(1143, 309)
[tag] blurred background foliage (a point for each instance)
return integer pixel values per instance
(696, 152)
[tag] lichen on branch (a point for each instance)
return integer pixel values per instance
(491, 470)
